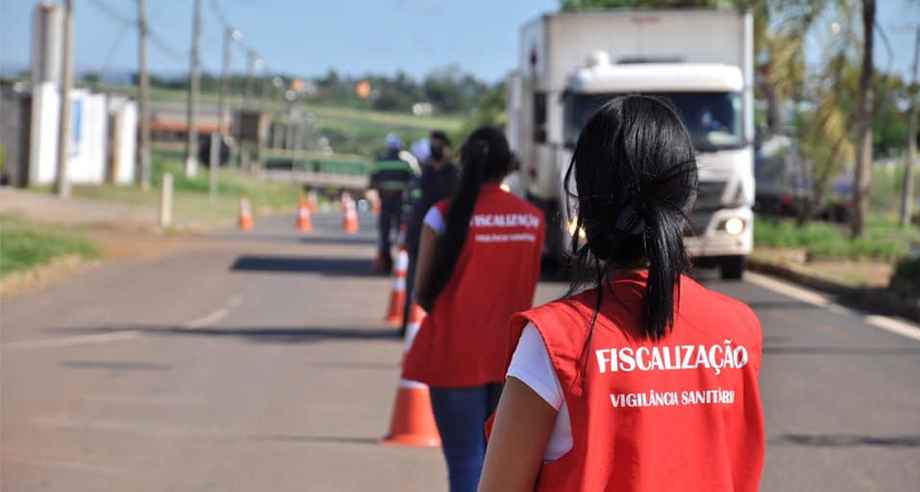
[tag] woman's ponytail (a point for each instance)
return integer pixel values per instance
(667, 260)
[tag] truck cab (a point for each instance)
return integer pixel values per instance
(570, 64)
(709, 100)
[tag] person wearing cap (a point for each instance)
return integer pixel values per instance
(390, 177)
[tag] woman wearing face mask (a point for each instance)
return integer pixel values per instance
(478, 263)
(647, 381)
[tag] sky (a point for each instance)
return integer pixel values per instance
(307, 37)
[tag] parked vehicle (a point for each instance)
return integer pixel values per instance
(701, 60)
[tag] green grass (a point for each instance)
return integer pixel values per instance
(883, 239)
(191, 201)
(24, 246)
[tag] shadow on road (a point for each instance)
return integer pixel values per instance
(114, 365)
(366, 366)
(334, 267)
(782, 305)
(308, 239)
(286, 335)
(846, 441)
(318, 439)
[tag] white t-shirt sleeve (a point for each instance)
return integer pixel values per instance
(532, 366)
(435, 220)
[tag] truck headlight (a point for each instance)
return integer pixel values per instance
(734, 226)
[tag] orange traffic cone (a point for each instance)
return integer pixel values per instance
(313, 201)
(412, 423)
(394, 315)
(303, 224)
(246, 222)
(350, 219)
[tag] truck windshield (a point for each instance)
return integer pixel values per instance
(713, 118)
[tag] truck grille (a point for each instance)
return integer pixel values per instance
(708, 201)
(699, 221)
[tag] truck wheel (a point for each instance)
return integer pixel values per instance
(732, 267)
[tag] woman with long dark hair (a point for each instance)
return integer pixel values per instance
(645, 380)
(479, 261)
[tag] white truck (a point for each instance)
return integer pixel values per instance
(701, 60)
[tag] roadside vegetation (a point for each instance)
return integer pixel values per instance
(884, 239)
(192, 203)
(24, 245)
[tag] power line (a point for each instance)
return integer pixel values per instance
(114, 49)
(218, 12)
(156, 39)
(173, 53)
(113, 13)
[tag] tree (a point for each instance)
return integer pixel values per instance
(824, 136)
(863, 122)
(576, 5)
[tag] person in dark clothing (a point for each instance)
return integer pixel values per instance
(390, 178)
(440, 178)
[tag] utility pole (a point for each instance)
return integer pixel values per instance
(143, 93)
(907, 187)
(864, 110)
(191, 145)
(230, 35)
(62, 184)
(252, 59)
(266, 80)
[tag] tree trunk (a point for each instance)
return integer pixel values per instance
(774, 109)
(864, 124)
(907, 187)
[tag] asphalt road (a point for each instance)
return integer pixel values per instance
(258, 361)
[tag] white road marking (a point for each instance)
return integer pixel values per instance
(892, 325)
(790, 290)
(121, 335)
(74, 340)
(896, 326)
(207, 320)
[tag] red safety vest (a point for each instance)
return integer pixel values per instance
(683, 413)
(465, 339)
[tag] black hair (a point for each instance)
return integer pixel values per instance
(439, 135)
(636, 178)
(485, 157)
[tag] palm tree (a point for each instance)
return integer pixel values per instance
(824, 135)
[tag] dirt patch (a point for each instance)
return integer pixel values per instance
(41, 276)
(863, 273)
(141, 244)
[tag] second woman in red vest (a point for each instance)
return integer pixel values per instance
(479, 261)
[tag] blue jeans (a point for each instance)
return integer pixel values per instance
(461, 414)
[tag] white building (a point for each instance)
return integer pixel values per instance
(102, 137)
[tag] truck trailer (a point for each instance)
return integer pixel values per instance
(570, 64)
